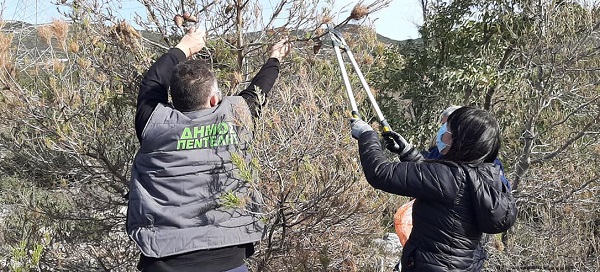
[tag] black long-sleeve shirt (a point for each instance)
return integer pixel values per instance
(154, 88)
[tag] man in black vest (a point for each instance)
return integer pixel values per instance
(190, 204)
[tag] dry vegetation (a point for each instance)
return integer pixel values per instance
(323, 213)
(67, 140)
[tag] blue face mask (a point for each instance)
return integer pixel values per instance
(438, 140)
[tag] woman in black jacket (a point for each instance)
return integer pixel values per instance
(457, 198)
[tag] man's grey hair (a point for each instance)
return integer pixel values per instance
(448, 111)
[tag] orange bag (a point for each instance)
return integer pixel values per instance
(403, 221)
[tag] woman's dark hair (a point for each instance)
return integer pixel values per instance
(475, 136)
(192, 82)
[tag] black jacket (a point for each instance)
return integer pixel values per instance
(454, 205)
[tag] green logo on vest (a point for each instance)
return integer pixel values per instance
(209, 136)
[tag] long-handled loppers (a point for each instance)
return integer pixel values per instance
(339, 45)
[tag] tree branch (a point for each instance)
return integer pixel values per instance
(575, 111)
(567, 143)
(583, 186)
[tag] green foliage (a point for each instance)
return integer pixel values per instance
(324, 257)
(25, 259)
(531, 64)
(245, 169)
(231, 200)
(26, 232)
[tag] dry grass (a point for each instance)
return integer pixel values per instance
(126, 34)
(57, 29)
(45, 32)
(73, 47)
(359, 12)
(5, 43)
(58, 66)
(60, 30)
(236, 78)
(327, 19)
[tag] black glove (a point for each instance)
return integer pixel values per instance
(394, 142)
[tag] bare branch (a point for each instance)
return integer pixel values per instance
(568, 142)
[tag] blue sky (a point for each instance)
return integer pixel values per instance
(397, 21)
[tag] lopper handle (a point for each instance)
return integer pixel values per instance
(386, 126)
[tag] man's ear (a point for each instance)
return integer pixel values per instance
(214, 100)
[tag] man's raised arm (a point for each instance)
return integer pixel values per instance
(260, 86)
(154, 88)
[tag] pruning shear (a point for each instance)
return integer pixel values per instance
(339, 45)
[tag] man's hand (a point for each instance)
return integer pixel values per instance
(394, 142)
(358, 127)
(281, 49)
(192, 42)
